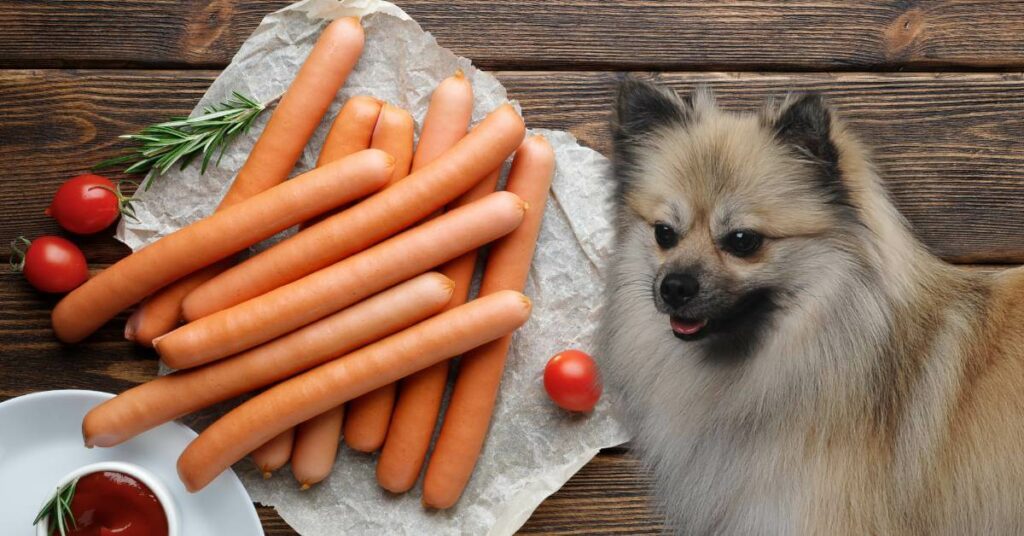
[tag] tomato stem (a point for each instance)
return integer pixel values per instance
(124, 202)
(17, 254)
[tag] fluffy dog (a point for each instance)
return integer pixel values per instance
(792, 359)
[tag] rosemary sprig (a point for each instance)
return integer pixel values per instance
(57, 510)
(182, 139)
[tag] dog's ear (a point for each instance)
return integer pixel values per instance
(805, 124)
(642, 107)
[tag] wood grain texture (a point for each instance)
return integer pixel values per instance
(164, 33)
(57, 124)
(729, 35)
(272, 523)
(568, 34)
(950, 146)
(610, 495)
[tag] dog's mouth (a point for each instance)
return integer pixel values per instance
(688, 329)
(740, 322)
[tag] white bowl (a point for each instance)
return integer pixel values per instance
(163, 495)
(41, 441)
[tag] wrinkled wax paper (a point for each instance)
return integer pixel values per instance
(533, 447)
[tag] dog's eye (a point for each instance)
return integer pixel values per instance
(742, 243)
(665, 236)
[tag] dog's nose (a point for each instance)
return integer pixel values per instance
(677, 289)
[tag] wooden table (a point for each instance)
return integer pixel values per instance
(935, 87)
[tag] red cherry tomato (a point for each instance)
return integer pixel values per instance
(87, 204)
(572, 381)
(51, 264)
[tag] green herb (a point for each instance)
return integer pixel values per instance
(183, 139)
(18, 254)
(57, 510)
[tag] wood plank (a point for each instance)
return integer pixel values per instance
(160, 33)
(739, 35)
(57, 124)
(569, 34)
(272, 523)
(610, 495)
(949, 145)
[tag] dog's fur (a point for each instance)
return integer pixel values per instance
(851, 382)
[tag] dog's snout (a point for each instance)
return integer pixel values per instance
(677, 289)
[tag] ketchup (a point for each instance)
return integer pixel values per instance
(109, 503)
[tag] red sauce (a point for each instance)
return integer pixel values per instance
(112, 503)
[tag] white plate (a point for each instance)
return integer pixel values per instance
(41, 441)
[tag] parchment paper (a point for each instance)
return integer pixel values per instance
(533, 447)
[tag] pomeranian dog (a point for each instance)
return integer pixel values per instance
(791, 358)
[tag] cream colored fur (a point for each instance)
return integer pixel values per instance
(885, 397)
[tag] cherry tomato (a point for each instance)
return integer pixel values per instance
(51, 263)
(87, 204)
(572, 381)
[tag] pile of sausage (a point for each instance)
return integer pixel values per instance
(359, 310)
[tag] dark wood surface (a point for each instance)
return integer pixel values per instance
(949, 145)
(948, 136)
(567, 34)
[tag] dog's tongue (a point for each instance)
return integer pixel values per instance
(687, 327)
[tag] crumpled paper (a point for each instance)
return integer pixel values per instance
(533, 447)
